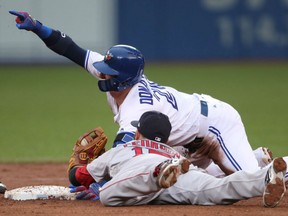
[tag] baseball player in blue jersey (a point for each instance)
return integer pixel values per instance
(146, 171)
(208, 131)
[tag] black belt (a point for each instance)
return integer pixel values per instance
(204, 108)
(194, 145)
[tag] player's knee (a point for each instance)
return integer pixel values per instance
(108, 200)
(104, 199)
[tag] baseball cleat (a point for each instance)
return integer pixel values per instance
(168, 171)
(3, 188)
(275, 183)
(268, 156)
(264, 156)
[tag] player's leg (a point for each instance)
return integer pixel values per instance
(275, 183)
(286, 174)
(136, 183)
(263, 155)
(199, 188)
(214, 170)
(226, 126)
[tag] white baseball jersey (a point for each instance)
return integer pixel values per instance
(191, 116)
(113, 160)
(183, 109)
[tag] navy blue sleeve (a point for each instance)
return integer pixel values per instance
(65, 46)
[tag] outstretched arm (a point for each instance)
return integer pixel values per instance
(55, 40)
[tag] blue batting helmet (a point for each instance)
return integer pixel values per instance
(125, 63)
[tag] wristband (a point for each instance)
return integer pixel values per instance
(42, 31)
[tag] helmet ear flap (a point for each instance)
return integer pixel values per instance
(125, 63)
(108, 85)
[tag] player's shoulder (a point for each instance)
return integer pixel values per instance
(92, 57)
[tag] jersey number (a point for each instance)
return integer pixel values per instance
(146, 97)
(139, 151)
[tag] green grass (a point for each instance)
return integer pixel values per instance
(44, 109)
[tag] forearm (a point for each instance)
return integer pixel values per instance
(65, 46)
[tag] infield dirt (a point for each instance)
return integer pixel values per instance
(16, 175)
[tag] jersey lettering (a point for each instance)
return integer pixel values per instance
(158, 91)
(151, 147)
(145, 96)
(139, 151)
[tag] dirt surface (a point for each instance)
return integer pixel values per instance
(20, 175)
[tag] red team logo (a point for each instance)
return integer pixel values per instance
(108, 57)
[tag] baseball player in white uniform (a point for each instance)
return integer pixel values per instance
(210, 130)
(142, 169)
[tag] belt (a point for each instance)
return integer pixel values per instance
(194, 145)
(204, 108)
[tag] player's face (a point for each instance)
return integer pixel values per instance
(105, 76)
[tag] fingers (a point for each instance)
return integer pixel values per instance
(20, 19)
(14, 12)
(77, 189)
(72, 186)
(89, 196)
(21, 15)
(86, 195)
(81, 195)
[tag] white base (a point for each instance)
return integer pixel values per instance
(40, 192)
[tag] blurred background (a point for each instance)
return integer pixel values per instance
(234, 50)
(169, 30)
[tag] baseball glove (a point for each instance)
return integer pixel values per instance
(88, 147)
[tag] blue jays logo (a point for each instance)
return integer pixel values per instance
(108, 56)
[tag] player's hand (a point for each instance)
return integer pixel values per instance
(92, 193)
(25, 21)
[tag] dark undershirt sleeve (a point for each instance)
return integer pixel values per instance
(65, 46)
